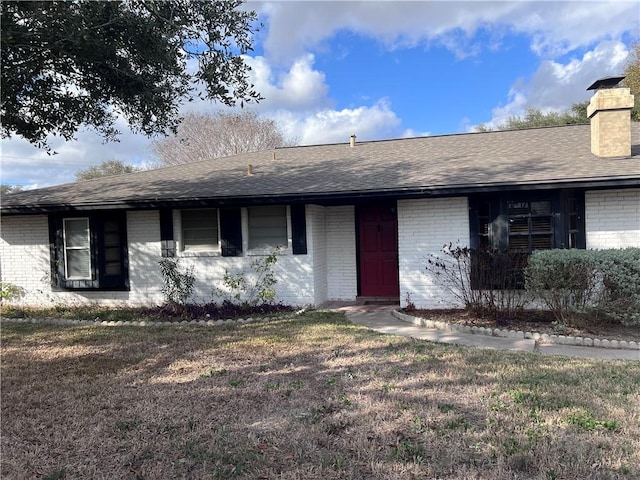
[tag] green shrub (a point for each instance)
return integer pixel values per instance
(601, 282)
(620, 270)
(260, 290)
(564, 280)
(9, 291)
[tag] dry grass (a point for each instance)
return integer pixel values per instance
(315, 397)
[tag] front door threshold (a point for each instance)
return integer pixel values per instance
(368, 300)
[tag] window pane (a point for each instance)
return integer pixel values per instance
(519, 225)
(519, 243)
(200, 230)
(518, 208)
(541, 224)
(76, 232)
(76, 248)
(542, 243)
(267, 227)
(78, 264)
(541, 208)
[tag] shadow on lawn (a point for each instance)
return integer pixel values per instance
(315, 397)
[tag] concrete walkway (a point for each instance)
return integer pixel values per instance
(379, 318)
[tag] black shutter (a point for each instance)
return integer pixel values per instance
(167, 243)
(55, 250)
(230, 232)
(298, 229)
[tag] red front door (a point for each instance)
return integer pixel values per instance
(378, 247)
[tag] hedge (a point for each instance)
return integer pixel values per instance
(601, 282)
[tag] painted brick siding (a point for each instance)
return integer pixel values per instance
(342, 277)
(143, 237)
(24, 256)
(25, 261)
(424, 226)
(317, 249)
(612, 218)
(294, 273)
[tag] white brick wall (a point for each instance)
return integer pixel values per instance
(612, 218)
(143, 237)
(317, 249)
(25, 261)
(295, 284)
(327, 272)
(342, 277)
(24, 255)
(424, 226)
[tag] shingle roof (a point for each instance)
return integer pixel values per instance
(436, 164)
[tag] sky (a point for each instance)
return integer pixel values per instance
(390, 69)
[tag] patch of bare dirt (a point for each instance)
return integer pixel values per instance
(535, 321)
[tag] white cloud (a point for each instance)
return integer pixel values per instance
(554, 27)
(556, 85)
(24, 164)
(300, 88)
(332, 126)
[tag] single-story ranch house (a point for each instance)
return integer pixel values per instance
(353, 220)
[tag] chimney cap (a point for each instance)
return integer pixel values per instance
(606, 82)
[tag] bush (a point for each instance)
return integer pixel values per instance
(9, 292)
(605, 283)
(177, 285)
(488, 282)
(564, 280)
(620, 271)
(259, 290)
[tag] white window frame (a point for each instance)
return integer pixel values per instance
(183, 248)
(66, 248)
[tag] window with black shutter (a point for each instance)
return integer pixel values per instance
(89, 252)
(513, 225)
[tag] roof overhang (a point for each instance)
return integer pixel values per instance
(324, 198)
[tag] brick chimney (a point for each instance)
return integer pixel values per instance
(610, 115)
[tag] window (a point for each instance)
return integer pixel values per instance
(77, 253)
(267, 227)
(200, 230)
(530, 225)
(509, 227)
(89, 252)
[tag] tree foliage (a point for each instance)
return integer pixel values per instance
(204, 136)
(534, 117)
(105, 169)
(5, 189)
(632, 79)
(71, 63)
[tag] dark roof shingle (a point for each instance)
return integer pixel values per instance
(462, 161)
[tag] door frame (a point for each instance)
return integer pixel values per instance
(387, 203)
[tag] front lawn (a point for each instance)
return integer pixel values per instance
(313, 397)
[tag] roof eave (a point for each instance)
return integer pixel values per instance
(324, 197)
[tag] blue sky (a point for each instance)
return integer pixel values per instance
(390, 69)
